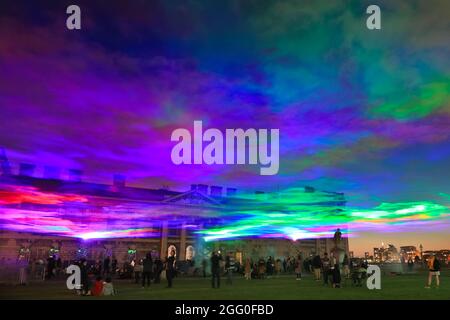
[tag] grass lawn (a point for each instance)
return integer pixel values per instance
(284, 287)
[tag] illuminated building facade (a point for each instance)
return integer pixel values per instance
(378, 254)
(409, 252)
(389, 254)
(72, 219)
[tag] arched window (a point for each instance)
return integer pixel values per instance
(171, 247)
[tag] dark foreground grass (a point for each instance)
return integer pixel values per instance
(285, 287)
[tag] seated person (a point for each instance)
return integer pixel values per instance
(356, 273)
(356, 278)
(108, 288)
(98, 287)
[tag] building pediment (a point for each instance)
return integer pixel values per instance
(193, 197)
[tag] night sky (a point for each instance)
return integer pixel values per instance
(362, 112)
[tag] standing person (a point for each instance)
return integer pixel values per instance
(270, 266)
(98, 268)
(336, 274)
(410, 265)
(85, 283)
(106, 266)
(346, 266)
(278, 267)
(159, 266)
(261, 269)
(248, 269)
(317, 265)
(50, 267)
(147, 267)
(298, 268)
(204, 265)
(215, 269)
(170, 268)
(23, 271)
(434, 267)
(254, 274)
(58, 266)
(138, 271)
(326, 267)
(114, 265)
(229, 266)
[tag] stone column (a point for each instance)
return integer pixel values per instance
(182, 253)
(163, 240)
(199, 246)
(11, 251)
(328, 246)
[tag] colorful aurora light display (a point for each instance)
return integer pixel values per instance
(363, 112)
(291, 214)
(305, 222)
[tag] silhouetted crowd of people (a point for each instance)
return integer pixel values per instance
(97, 276)
(327, 268)
(144, 272)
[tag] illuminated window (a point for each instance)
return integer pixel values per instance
(171, 247)
(190, 253)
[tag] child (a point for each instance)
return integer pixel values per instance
(98, 287)
(108, 288)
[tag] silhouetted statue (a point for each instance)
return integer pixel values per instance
(338, 252)
(337, 237)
